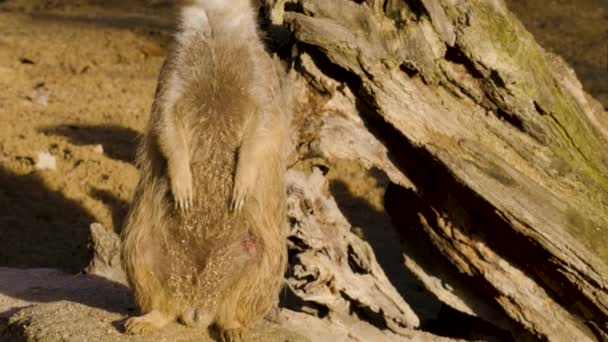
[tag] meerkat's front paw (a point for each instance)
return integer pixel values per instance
(243, 185)
(181, 187)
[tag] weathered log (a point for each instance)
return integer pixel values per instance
(342, 136)
(499, 154)
(332, 267)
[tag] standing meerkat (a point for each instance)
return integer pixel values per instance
(204, 241)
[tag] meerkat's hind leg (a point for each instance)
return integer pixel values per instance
(232, 333)
(143, 324)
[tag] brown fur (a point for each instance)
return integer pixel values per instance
(214, 140)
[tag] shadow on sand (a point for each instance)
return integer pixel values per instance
(40, 227)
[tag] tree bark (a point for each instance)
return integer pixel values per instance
(496, 153)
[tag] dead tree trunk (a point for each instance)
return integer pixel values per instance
(497, 156)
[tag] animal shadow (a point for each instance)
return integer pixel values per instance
(118, 206)
(118, 142)
(40, 227)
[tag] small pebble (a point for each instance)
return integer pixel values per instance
(46, 161)
(42, 98)
(98, 148)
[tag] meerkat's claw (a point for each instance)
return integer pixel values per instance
(182, 189)
(238, 199)
(244, 184)
(183, 198)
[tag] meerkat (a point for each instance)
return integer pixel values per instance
(204, 242)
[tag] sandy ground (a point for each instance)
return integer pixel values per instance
(77, 75)
(72, 78)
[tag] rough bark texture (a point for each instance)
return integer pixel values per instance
(333, 267)
(498, 154)
(497, 164)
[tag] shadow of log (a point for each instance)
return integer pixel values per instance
(289, 300)
(51, 285)
(157, 27)
(118, 206)
(403, 206)
(40, 227)
(118, 142)
(150, 18)
(435, 316)
(384, 240)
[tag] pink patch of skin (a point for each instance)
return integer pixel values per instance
(250, 246)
